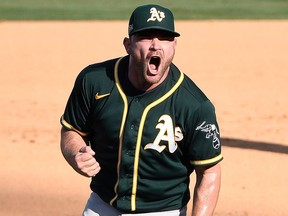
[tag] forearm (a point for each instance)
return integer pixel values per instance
(71, 143)
(206, 191)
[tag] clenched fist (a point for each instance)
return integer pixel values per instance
(86, 162)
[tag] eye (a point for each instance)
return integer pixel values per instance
(150, 34)
(166, 38)
(145, 36)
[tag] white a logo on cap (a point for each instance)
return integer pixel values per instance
(156, 15)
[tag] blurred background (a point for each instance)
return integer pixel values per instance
(235, 50)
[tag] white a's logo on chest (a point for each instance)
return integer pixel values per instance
(166, 133)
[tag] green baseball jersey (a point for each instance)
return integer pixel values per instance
(147, 143)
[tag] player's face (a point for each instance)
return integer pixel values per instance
(151, 53)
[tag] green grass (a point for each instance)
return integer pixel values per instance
(121, 9)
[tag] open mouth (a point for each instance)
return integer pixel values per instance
(154, 63)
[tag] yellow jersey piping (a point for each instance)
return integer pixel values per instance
(208, 161)
(125, 111)
(70, 127)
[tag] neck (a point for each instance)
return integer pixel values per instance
(140, 83)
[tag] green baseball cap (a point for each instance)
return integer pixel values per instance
(152, 16)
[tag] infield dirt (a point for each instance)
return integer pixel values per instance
(241, 66)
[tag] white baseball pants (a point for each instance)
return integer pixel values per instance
(97, 207)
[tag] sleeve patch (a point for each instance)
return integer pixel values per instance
(211, 131)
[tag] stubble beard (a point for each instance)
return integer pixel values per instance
(154, 79)
(145, 79)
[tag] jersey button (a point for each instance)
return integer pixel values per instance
(128, 175)
(136, 100)
(128, 152)
(132, 127)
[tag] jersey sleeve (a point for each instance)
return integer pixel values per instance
(76, 113)
(204, 146)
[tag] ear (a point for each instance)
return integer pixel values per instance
(127, 44)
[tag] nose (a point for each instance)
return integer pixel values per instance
(155, 44)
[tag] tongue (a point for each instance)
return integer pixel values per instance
(154, 63)
(153, 67)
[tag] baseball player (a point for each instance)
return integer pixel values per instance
(138, 126)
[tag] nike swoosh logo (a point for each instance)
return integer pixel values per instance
(97, 96)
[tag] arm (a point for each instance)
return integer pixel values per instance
(78, 154)
(206, 191)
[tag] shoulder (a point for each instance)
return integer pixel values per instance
(104, 68)
(188, 90)
(101, 73)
